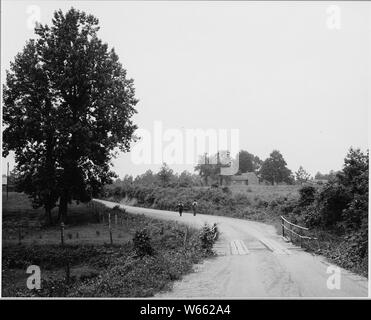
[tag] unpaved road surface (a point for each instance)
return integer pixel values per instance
(254, 261)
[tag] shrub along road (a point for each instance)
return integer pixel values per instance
(254, 261)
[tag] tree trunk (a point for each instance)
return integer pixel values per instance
(63, 204)
(48, 215)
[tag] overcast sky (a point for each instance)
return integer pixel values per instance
(276, 71)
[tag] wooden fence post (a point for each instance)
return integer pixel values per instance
(109, 228)
(185, 238)
(62, 234)
(283, 227)
(19, 234)
(7, 181)
(68, 272)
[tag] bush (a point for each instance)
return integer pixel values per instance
(142, 244)
(338, 209)
(261, 203)
(307, 195)
(332, 200)
(226, 190)
(311, 216)
(208, 237)
(356, 214)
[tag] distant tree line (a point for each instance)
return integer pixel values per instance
(326, 176)
(273, 169)
(165, 177)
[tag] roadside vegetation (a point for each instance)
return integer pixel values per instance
(146, 257)
(212, 200)
(336, 212)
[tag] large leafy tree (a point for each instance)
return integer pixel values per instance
(274, 169)
(248, 162)
(67, 111)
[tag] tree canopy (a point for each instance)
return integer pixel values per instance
(68, 105)
(301, 175)
(274, 169)
(248, 162)
(325, 176)
(165, 175)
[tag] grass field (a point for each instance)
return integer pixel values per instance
(263, 191)
(23, 224)
(266, 192)
(87, 264)
(260, 192)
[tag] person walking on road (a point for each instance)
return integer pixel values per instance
(194, 206)
(180, 208)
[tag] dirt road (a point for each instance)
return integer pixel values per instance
(254, 261)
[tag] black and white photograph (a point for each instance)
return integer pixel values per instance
(179, 150)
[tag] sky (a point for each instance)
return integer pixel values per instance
(292, 76)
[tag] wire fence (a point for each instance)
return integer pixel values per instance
(106, 226)
(294, 232)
